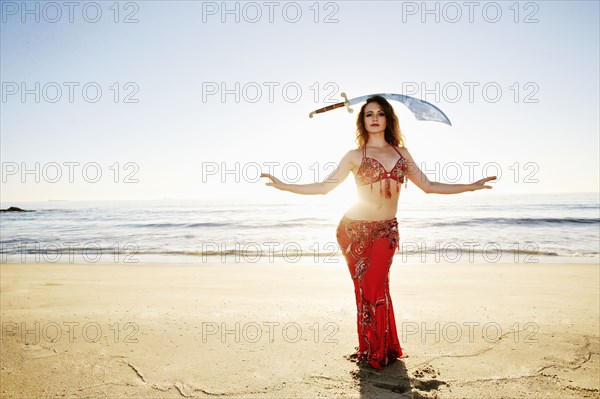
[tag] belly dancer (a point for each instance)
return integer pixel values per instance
(368, 232)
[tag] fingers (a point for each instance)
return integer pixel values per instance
(485, 180)
(490, 178)
(267, 175)
(482, 187)
(270, 183)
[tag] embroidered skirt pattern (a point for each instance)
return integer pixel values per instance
(368, 247)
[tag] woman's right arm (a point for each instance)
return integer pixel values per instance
(332, 181)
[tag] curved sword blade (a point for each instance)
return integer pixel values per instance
(421, 109)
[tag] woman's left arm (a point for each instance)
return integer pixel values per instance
(433, 187)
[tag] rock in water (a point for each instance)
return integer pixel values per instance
(14, 209)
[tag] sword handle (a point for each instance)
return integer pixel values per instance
(334, 106)
(325, 109)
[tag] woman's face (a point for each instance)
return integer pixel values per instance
(375, 121)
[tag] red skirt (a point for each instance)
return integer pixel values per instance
(368, 247)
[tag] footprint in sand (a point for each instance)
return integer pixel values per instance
(425, 379)
(30, 351)
(425, 371)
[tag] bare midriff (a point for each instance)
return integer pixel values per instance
(371, 205)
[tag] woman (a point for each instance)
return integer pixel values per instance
(368, 232)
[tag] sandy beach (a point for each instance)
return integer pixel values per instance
(285, 330)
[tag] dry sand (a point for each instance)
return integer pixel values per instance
(283, 330)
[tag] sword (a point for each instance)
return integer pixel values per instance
(421, 109)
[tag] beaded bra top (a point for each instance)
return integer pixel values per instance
(372, 171)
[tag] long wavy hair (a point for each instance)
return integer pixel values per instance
(393, 134)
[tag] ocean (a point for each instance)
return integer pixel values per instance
(448, 229)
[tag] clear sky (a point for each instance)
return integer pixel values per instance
(189, 99)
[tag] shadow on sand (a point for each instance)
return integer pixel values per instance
(394, 381)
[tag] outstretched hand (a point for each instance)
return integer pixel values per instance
(274, 181)
(479, 184)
